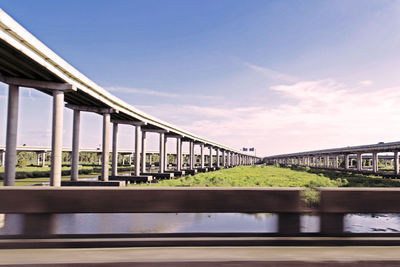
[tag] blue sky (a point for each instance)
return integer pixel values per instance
(282, 76)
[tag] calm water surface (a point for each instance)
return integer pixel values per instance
(196, 222)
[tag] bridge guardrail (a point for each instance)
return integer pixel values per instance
(39, 205)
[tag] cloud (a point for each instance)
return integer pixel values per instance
(322, 114)
(144, 91)
(366, 83)
(270, 73)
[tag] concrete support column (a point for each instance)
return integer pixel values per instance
(359, 162)
(37, 159)
(217, 152)
(166, 154)
(223, 162)
(43, 159)
(106, 147)
(56, 138)
(178, 154)
(130, 159)
(336, 162)
(114, 158)
(211, 159)
(143, 152)
(75, 146)
(396, 162)
(138, 130)
(191, 155)
(375, 162)
(10, 160)
(161, 153)
(2, 153)
(202, 155)
(346, 161)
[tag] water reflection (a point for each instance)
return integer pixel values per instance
(165, 223)
(376, 223)
(196, 222)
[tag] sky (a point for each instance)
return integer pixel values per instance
(280, 76)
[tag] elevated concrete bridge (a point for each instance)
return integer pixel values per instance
(366, 157)
(27, 62)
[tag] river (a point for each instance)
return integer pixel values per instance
(196, 222)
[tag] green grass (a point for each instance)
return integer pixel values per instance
(255, 176)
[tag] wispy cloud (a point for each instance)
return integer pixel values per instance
(145, 91)
(270, 73)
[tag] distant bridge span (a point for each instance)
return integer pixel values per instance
(27, 62)
(367, 158)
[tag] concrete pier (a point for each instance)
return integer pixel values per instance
(346, 161)
(162, 153)
(375, 162)
(3, 155)
(75, 146)
(143, 164)
(11, 136)
(166, 161)
(178, 153)
(56, 139)
(202, 155)
(217, 155)
(137, 149)
(210, 163)
(106, 147)
(336, 166)
(191, 155)
(114, 158)
(359, 162)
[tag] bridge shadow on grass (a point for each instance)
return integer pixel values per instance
(353, 179)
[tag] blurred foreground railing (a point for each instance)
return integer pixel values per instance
(40, 205)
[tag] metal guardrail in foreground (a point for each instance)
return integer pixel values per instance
(39, 205)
